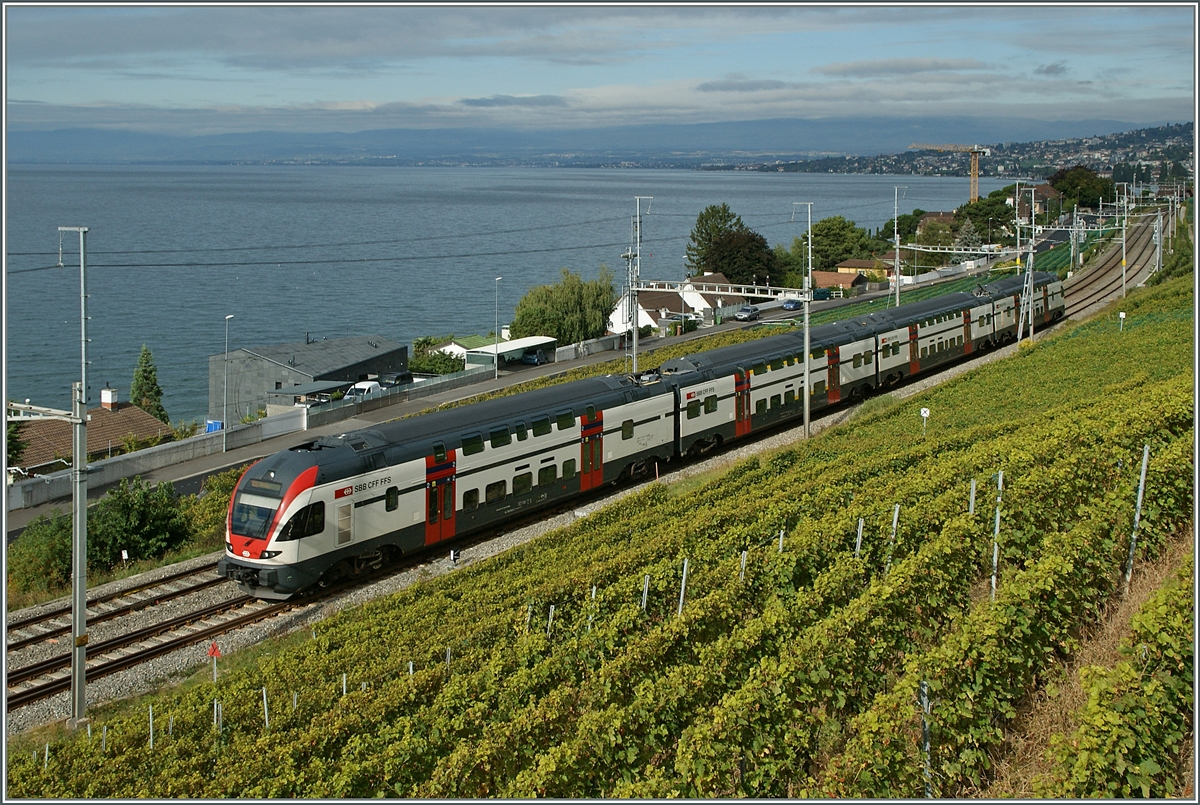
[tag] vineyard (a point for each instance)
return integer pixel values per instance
(769, 633)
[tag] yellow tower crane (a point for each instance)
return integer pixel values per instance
(974, 150)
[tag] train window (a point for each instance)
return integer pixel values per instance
(788, 359)
(304, 523)
(345, 513)
(522, 483)
(924, 352)
(710, 404)
(522, 433)
(693, 409)
(500, 436)
(433, 504)
(391, 499)
(819, 387)
(439, 452)
(472, 443)
(775, 401)
(496, 492)
(896, 348)
(858, 360)
(566, 420)
(758, 369)
(627, 429)
(868, 358)
(960, 340)
(547, 475)
(568, 469)
(776, 363)
(789, 397)
(470, 500)
(816, 356)
(377, 461)
(541, 425)
(760, 407)
(590, 412)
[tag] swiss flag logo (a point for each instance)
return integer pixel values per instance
(343, 492)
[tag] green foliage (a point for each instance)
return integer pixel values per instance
(712, 222)
(835, 239)
(991, 216)
(967, 239)
(570, 310)
(1177, 263)
(39, 561)
(1080, 185)
(206, 512)
(145, 392)
(742, 255)
(434, 362)
(142, 519)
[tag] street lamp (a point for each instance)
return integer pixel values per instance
(496, 357)
(225, 402)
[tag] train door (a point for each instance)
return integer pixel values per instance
(741, 398)
(835, 375)
(439, 494)
(591, 459)
(914, 363)
(968, 344)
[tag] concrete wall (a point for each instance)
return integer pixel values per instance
(570, 352)
(338, 410)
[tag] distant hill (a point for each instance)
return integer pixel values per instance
(646, 145)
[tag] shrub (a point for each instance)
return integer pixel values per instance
(144, 520)
(40, 559)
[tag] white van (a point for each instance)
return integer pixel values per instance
(363, 388)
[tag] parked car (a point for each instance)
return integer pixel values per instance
(534, 357)
(362, 389)
(748, 313)
(792, 304)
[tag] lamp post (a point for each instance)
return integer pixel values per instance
(225, 401)
(496, 357)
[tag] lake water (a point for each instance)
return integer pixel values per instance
(338, 251)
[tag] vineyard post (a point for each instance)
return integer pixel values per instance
(1137, 517)
(171, 726)
(220, 717)
(410, 668)
(858, 539)
(742, 574)
(592, 613)
(214, 659)
(549, 623)
(781, 540)
(925, 734)
(295, 697)
(266, 714)
(995, 551)
(45, 757)
(89, 729)
(528, 617)
(892, 541)
(103, 739)
(151, 726)
(971, 506)
(214, 712)
(645, 591)
(343, 683)
(447, 658)
(683, 583)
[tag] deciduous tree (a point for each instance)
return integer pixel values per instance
(570, 310)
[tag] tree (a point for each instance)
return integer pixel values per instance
(569, 311)
(743, 256)
(835, 239)
(713, 221)
(991, 217)
(1083, 186)
(145, 392)
(967, 240)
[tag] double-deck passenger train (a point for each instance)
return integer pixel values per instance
(339, 506)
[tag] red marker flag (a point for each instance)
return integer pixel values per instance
(213, 651)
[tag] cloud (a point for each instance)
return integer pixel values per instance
(890, 68)
(740, 85)
(513, 100)
(1055, 69)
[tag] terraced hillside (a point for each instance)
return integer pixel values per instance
(763, 634)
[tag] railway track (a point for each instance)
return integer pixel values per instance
(1098, 285)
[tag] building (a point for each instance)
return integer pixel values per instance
(255, 371)
(838, 279)
(48, 444)
(653, 306)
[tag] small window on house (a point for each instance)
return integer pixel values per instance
(541, 425)
(627, 429)
(710, 404)
(500, 437)
(547, 475)
(566, 420)
(470, 500)
(522, 483)
(568, 469)
(497, 491)
(472, 443)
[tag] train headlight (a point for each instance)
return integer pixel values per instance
(229, 547)
(270, 554)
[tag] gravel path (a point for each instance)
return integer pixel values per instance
(182, 663)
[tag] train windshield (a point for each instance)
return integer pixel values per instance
(252, 515)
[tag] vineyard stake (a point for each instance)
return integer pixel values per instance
(892, 541)
(343, 684)
(858, 541)
(103, 738)
(410, 668)
(89, 726)
(295, 696)
(592, 615)
(925, 734)
(999, 485)
(220, 716)
(550, 620)
(151, 726)
(363, 687)
(171, 726)
(742, 575)
(995, 549)
(447, 657)
(1137, 517)
(971, 508)
(528, 616)
(645, 591)
(45, 758)
(683, 583)
(266, 715)
(214, 713)
(781, 540)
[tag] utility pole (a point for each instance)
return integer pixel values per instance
(895, 238)
(807, 306)
(635, 270)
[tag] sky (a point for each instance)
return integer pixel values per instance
(181, 69)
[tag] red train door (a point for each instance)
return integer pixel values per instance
(741, 398)
(968, 347)
(914, 363)
(835, 375)
(591, 459)
(439, 496)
